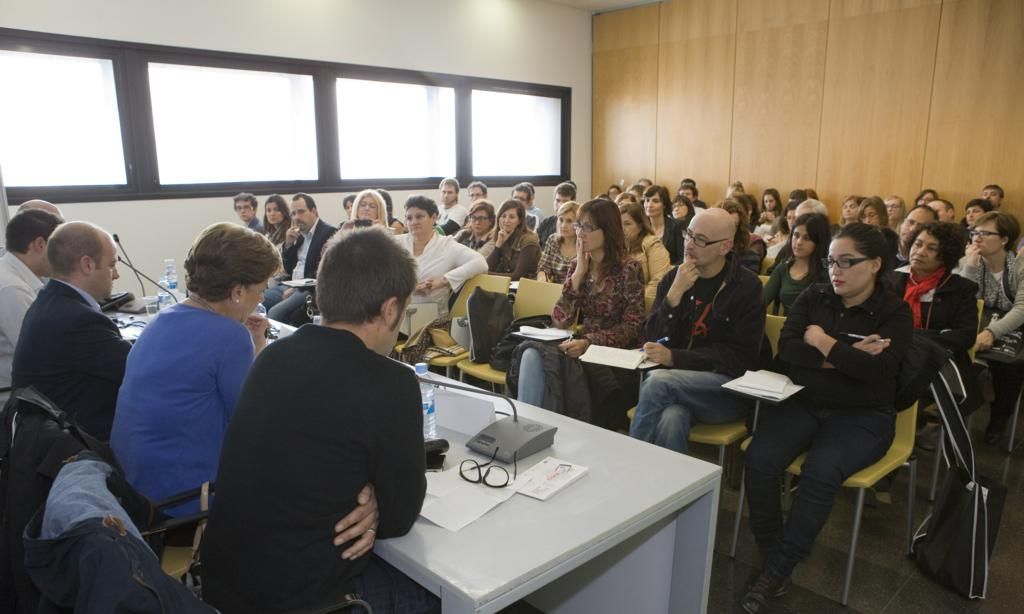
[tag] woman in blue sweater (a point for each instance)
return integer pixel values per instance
(185, 372)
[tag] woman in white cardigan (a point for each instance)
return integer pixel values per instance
(443, 264)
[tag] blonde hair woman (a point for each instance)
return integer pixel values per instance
(368, 209)
(559, 251)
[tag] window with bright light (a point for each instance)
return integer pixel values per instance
(59, 122)
(392, 130)
(516, 135)
(219, 125)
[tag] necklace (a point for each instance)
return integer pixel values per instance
(200, 302)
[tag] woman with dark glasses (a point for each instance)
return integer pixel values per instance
(844, 342)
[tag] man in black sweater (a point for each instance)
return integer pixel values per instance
(323, 413)
(706, 325)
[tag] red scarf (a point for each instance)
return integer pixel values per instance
(916, 289)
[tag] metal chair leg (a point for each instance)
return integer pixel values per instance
(739, 515)
(721, 456)
(853, 546)
(1013, 422)
(911, 487)
(937, 465)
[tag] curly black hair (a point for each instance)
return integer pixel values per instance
(951, 241)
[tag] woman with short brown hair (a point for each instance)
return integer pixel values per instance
(186, 371)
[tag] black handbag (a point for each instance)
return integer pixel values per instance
(954, 543)
(501, 356)
(489, 315)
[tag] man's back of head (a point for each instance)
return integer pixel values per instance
(364, 284)
(83, 255)
(27, 235)
(41, 205)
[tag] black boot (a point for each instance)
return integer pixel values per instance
(768, 586)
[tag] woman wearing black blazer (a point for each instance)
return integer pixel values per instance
(658, 207)
(944, 304)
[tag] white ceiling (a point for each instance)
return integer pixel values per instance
(602, 6)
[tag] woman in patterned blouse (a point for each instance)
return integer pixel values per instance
(604, 293)
(560, 249)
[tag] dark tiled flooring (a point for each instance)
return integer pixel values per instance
(884, 580)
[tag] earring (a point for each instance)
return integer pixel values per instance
(237, 301)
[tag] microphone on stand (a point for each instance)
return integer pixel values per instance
(142, 286)
(147, 278)
(508, 439)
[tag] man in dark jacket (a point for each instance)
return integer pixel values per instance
(296, 456)
(706, 326)
(300, 255)
(68, 349)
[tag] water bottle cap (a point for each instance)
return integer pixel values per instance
(421, 368)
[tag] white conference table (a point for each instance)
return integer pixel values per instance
(634, 534)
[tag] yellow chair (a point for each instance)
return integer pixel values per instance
(764, 279)
(176, 560)
(533, 298)
(491, 283)
(772, 328)
(767, 264)
(900, 454)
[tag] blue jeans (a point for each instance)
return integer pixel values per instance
(273, 296)
(282, 312)
(388, 590)
(673, 400)
(838, 444)
(531, 378)
(79, 493)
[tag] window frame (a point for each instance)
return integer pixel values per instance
(131, 75)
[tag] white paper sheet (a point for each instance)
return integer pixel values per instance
(764, 384)
(613, 357)
(543, 334)
(453, 503)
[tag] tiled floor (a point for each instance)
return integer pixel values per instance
(884, 580)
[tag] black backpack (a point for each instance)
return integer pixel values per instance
(489, 315)
(921, 363)
(501, 357)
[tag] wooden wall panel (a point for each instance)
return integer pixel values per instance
(878, 78)
(696, 65)
(780, 73)
(976, 129)
(625, 109)
(865, 96)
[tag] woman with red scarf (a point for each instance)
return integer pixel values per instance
(943, 304)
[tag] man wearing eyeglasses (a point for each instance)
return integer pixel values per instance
(245, 208)
(706, 327)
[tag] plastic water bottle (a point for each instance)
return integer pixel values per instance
(171, 275)
(427, 393)
(169, 280)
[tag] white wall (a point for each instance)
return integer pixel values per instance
(519, 40)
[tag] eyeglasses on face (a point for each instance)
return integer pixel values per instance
(843, 263)
(700, 241)
(984, 234)
(586, 228)
(479, 218)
